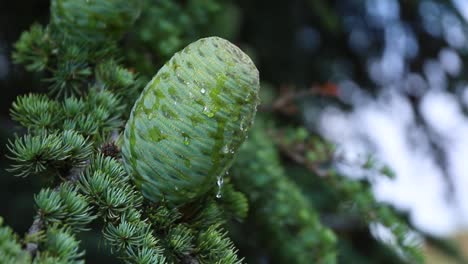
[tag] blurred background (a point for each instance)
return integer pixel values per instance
(383, 78)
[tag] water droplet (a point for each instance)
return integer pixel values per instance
(207, 112)
(176, 188)
(180, 79)
(203, 91)
(225, 149)
(219, 182)
(227, 172)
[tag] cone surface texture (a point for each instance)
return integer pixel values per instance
(185, 129)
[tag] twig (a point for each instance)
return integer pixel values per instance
(35, 228)
(286, 102)
(295, 153)
(189, 260)
(340, 223)
(38, 223)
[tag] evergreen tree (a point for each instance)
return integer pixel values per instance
(158, 165)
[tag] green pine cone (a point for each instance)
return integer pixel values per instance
(94, 20)
(190, 120)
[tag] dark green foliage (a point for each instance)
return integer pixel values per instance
(94, 63)
(65, 206)
(214, 246)
(33, 49)
(92, 93)
(108, 187)
(94, 20)
(163, 217)
(347, 196)
(80, 36)
(48, 153)
(166, 26)
(10, 249)
(146, 256)
(370, 211)
(61, 247)
(71, 74)
(211, 213)
(180, 240)
(95, 115)
(35, 112)
(235, 203)
(199, 238)
(112, 76)
(133, 236)
(99, 114)
(285, 214)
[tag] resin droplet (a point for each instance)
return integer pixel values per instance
(203, 91)
(186, 141)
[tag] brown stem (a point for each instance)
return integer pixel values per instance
(295, 152)
(286, 103)
(189, 260)
(35, 228)
(38, 223)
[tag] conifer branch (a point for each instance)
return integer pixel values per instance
(36, 227)
(38, 224)
(286, 215)
(10, 248)
(312, 153)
